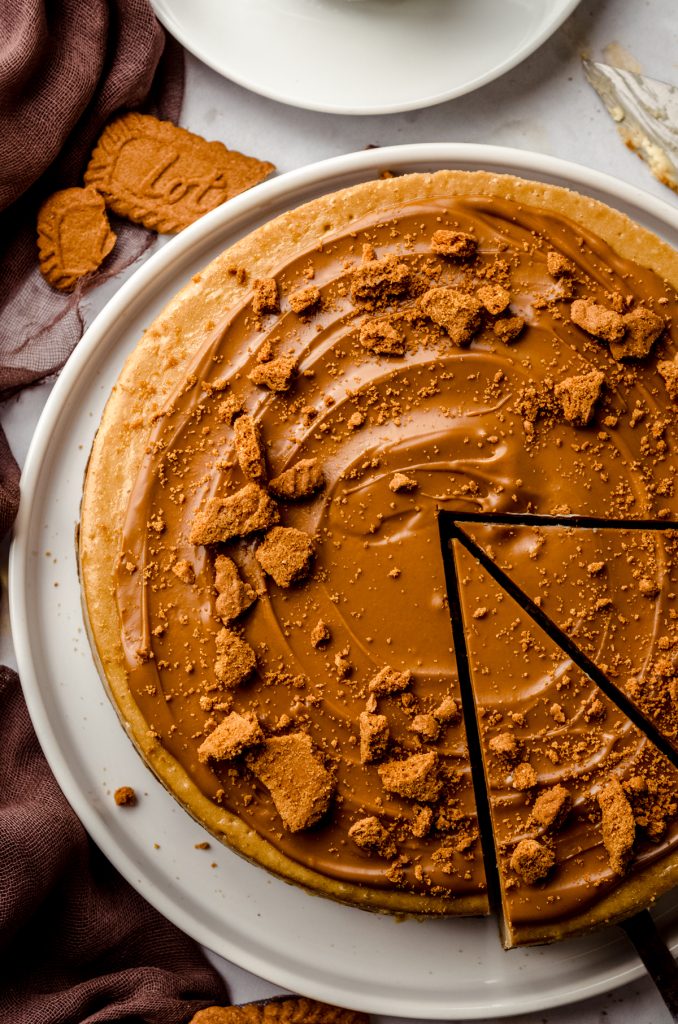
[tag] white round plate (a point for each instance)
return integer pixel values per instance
(432, 969)
(362, 56)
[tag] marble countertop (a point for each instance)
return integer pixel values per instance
(545, 105)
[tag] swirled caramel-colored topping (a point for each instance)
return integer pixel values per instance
(449, 353)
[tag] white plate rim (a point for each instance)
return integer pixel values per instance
(458, 155)
(530, 47)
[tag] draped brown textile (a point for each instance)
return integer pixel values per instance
(77, 944)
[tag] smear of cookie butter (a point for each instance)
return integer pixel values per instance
(445, 417)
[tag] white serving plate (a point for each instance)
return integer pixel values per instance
(434, 970)
(362, 56)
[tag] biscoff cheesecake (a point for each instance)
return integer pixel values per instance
(261, 563)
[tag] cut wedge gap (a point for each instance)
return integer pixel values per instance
(578, 656)
(581, 813)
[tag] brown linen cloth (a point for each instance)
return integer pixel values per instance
(77, 944)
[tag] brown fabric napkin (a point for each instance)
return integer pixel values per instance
(77, 944)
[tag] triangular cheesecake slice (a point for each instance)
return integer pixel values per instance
(613, 590)
(583, 807)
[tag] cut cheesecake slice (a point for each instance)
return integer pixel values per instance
(582, 804)
(613, 590)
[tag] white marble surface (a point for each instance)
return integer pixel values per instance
(545, 105)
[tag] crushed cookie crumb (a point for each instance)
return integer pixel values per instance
(125, 796)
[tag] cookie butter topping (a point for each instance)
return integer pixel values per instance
(280, 585)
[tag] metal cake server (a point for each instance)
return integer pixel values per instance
(645, 111)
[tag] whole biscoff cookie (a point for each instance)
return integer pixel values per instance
(74, 236)
(164, 177)
(279, 1011)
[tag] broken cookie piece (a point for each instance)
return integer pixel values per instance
(401, 482)
(643, 328)
(305, 299)
(285, 554)
(265, 296)
(524, 776)
(379, 280)
(221, 519)
(236, 660)
(506, 746)
(559, 266)
(382, 337)
(597, 320)
(320, 634)
(234, 595)
(668, 368)
(387, 680)
(494, 298)
(618, 823)
(249, 448)
(374, 734)
(299, 481)
(578, 396)
(231, 737)
(447, 711)
(275, 374)
(551, 807)
(370, 834)
(457, 313)
(427, 727)
(532, 861)
(300, 786)
(508, 328)
(415, 778)
(455, 245)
